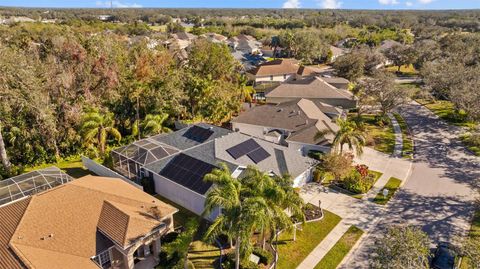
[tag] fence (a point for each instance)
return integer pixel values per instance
(103, 171)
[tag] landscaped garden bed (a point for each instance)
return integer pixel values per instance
(312, 212)
(380, 133)
(356, 183)
(308, 236)
(392, 186)
(338, 252)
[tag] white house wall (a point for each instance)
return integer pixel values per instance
(277, 78)
(303, 178)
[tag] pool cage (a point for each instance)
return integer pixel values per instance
(27, 184)
(129, 160)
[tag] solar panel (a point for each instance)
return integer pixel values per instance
(197, 133)
(243, 148)
(258, 155)
(188, 172)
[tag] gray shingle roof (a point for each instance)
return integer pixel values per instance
(314, 87)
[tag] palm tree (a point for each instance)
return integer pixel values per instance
(241, 213)
(96, 128)
(350, 133)
(155, 124)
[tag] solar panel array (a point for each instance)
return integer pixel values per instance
(197, 133)
(250, 148)
(188, 172)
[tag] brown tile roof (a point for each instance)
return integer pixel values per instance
(276, 67)
(10, 216)
(315, 87)
(59, 226)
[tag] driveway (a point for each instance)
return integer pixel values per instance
(439, 195)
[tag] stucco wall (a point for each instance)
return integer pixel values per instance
(279, 78)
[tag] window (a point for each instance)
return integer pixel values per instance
(271, 77)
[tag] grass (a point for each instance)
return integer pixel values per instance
(203, 255)
(392, 186)
(407, 149)
(328, 178)
(446, 111)
(72, 166)
(291, 253)
(405, 70)
(159, 28)
(470, 143)
(382, 138)
(338, 252)
(474, 233)
(182, 216)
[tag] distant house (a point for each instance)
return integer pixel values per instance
(16, 19)
(336, 52)
(292, 123)
(384, 47)
(175, 163)
(215, 38)
(313, 88)
(244, 43)
(91, 222)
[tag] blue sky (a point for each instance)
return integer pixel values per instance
(345, 4)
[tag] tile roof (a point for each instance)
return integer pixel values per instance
(59, 226)
(314, 87)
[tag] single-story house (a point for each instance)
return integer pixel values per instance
(245, 44)
(215, 38)
(292, 123)
(384, 47)
(313, 88)
(91, 222)
(278, 70)
(200, 148)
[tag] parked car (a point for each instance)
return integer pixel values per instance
(445, 257)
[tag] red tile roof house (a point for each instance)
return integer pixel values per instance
(90, 222)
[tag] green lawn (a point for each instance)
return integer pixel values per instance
(407, 149)
(71, 166)
(392, 186)
(382, 138)
(291, 254)
(446, 111)
(182, 216)
(338, 252)
(405, 70)
(203, 255)
(474, 233)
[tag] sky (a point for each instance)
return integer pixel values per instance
(329, 4)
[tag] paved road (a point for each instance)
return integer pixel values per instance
(439, 195)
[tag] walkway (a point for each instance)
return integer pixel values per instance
(439, 194)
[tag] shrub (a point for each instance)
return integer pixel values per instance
(355, 183)
(266, 257)
(315, 154)
(229, 263)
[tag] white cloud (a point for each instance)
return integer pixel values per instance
(330, 4)
(388, 2)
(409, 4)
(117, 4)
(292, 4)
(425, 1)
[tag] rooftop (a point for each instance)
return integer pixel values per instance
(276, 67)
(66, 226)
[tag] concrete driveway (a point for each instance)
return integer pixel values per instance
(439, 195)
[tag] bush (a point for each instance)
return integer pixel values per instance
(266, 257)
(174, 253)
(229, 263)
(356, 183)
(315, 154)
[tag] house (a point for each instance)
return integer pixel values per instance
(215, 38)
(292, 123)
(384, 47)
(245, 43)
(91, 222)
(278, 70)
(200, 148)
(336, 52)
(312, 88)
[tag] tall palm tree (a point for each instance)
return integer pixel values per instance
(350, 133)
(155, 124)
(96, 128)
(241, 213)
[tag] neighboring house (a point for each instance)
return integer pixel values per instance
(384, 47)
(313, 88)
(292, 123)
(337, 82)
(184, 36)
(91, 222)
(215, 38)
(271, 52)
(248, 61)
(178, 176)
(245, 43)
(336, 52)
(180, 41)
(278, 70)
